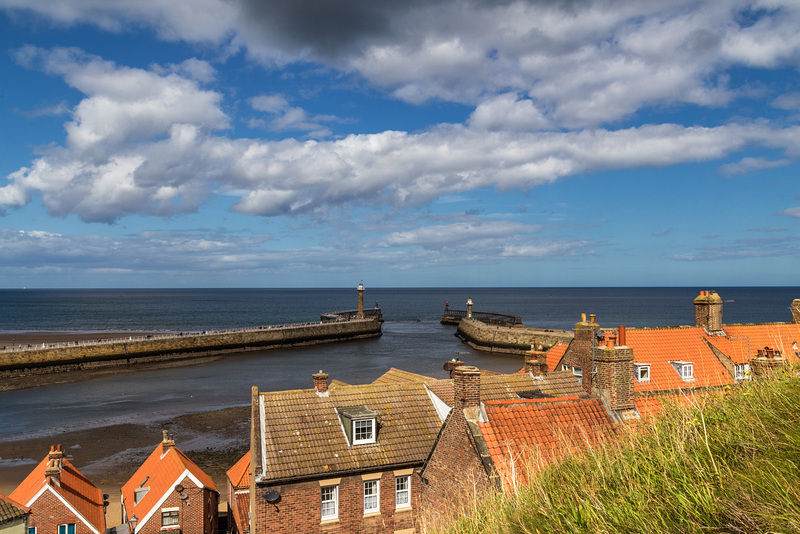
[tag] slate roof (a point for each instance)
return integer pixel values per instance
(83, 496)
(499, 387)
(301, 434)
(520, 434)
(10, 509)
(740, 338)
(162, 470)
(660, 346)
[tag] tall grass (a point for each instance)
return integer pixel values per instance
(726, 461)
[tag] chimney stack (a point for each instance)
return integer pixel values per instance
(767, 362)
(536, 360)
(708, 311)
(580, 350)
(452, 365)
(53, 471)
(614, 379)
(321, 383)
(167, 441)
(466, 387)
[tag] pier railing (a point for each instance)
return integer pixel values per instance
(21, 347)
(503, 319)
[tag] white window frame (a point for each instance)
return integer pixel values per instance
(372, 496)
(639, 368)
(565, 367)
(687, 371)
(177, 516)
(33, 530)
(64, 528)
(371, 438)
(740, 371)
(578, 372)
(333, 498)
(402, 493)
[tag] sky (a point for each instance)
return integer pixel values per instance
(310, 143)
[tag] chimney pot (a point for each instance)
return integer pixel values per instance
(592, 318)
(320, 382)
(583, 317)
(621, 335)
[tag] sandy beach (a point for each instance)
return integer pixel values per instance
(109, 456)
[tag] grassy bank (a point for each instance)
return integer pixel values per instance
(726, 462)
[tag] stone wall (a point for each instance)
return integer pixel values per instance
(509, 340)
(120, 352)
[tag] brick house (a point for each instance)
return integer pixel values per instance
(239, 496)
(346, 458)
(169, 493)
(13, 516)
(61, 500)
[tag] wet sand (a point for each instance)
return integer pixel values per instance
(110, 455)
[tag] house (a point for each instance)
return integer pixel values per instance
(625, 375)
(239, 496)
(61, 500)
(347, 458)
(169, 493)
(13, 516)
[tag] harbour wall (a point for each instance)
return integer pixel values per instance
(182, 347)
(508, 340)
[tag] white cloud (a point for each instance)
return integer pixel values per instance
(748, 165)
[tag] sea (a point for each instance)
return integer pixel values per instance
(413, 339)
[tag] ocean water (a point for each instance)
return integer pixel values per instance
(412, 339)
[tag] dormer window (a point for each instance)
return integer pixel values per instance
(360, 424)
(741, 371)
(684, 369)
(642, 371)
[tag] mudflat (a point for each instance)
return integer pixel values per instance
(110, 455)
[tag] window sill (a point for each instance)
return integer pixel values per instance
(403, 508)
(372, 514)
(329, 521)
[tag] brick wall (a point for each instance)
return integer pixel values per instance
(197, 514)
(299, 509)
(579, 352)
(614, 378)
(47, 512)
(453, 477)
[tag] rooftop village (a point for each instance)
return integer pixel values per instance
(394, 455)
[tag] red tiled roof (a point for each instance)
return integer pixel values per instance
(84, 497)
(160, 472)
(243, 511)
(660, 346)
(523, 434)
(239, 474)
(555, 354)
(739, 339)
(11, 509)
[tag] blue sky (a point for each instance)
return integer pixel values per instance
(302, 143)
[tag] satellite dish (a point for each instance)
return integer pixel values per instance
(184, 496)
(272, 496)
(178, 489)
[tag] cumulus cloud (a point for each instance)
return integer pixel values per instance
(285, 117)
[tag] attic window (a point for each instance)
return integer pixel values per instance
(360, 424)
(684, 369)
(642, 371)
(741, 371)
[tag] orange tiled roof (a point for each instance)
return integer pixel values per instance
(11, 509)
(741, 338)
(530, 433)
(660, 346)
(239, 474)
(80, 494)
(499, 387)
(243, 511)
(555, 354)
(160, 472)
